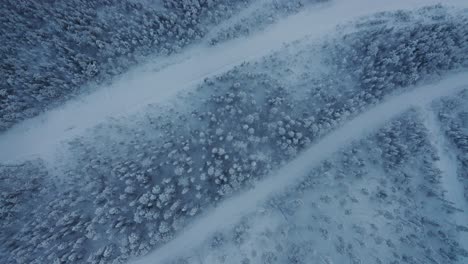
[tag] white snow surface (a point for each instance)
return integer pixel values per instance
(42, 136)
(232, 210)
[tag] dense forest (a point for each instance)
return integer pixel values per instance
(132, 184)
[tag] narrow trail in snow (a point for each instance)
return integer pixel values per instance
(447, 163)
(41, 136)
(232, 210)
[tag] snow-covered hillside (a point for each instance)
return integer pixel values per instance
(283, 132)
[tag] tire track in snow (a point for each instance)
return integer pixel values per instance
(448, 164)
(232, 210)
(42, 136)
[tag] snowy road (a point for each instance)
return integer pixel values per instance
(231, 211)
(42, 136)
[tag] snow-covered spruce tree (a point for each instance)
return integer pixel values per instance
(382, 58)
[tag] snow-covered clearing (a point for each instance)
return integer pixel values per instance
(41, 136)
(231, 211)
(448, 165)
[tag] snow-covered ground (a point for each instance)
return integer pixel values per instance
(232, 210)
(41, 136)
(448, 164)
